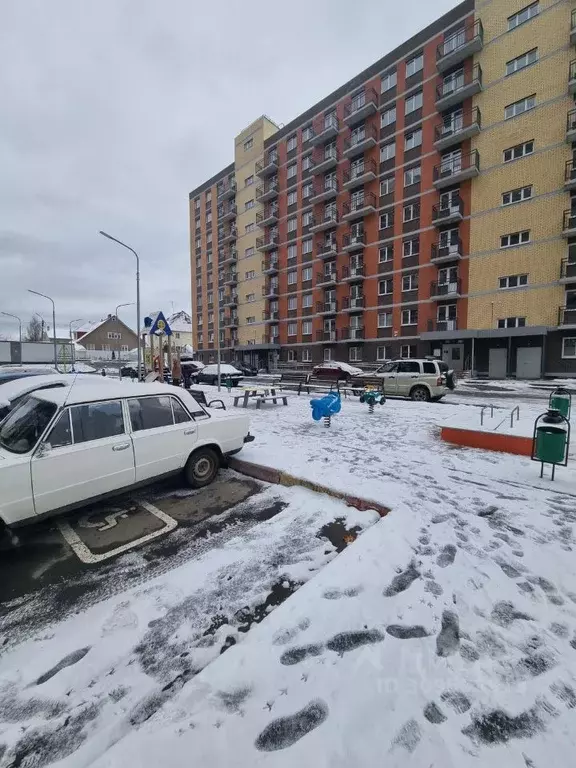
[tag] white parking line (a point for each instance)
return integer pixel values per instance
(87, 556)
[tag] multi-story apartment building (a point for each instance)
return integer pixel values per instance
(418, 209)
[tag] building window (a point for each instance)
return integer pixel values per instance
(388, 117)
(292, 143)
(511, 322)
(307, 300)
(292, 329)
(292, 197)
(385, 287)
(249, 251)
(248, 144)
(197, 203)
(411, 212)
(292, 277)
(291, 356)
(307, 219)
(307, 244)
(208, 197)
(328, 354)
(518, 107)
(248, 204)
(388, 151)
(306, 163)
(409, 317)
(249, 227)
(569, 347)
(388, 81)
(306, 327)
(517, 195)
(292, 251)
(521, 62)
(387, 186)
(293, 302)
(411, 247)
(307, 133)
(306, 356)
(292, 170)
(386, 253)
(250, 274)
(512, 281)
(248, 181)
(520, 17)
(413, 103)
(306, 274)
(292, 224)
(250, 320)
(384, 319)
(407, 350)
(250, 297)
(410, 282)
(307, 191)
(355, 354)
(386, 219)
(114, 335)
(518, 151)
(515, 238)
(413, 139)
(381, 353)
(412, 176)
(414, 65)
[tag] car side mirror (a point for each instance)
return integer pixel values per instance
(43, 450)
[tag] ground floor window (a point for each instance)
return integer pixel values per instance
(327, 354)
(355, 354)
(291, 355)
(306, 356)
(408, 350)
(569, 347)
(381, 353)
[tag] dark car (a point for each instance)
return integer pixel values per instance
(228, 373)
(10, 374)
(246, 369)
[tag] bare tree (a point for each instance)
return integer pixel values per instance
(35, 330)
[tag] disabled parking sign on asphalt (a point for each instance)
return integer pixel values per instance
(104, 532)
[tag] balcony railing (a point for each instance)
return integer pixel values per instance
(569, 223)
(329, 307)
(326, 278)
(571, 126)
(451, 324)
(324, 189)
(567, 316)
(456, 169)
(271, 317)
(327, 129)
(353, 304)
(327, 248)
(452, 89)
(230, 301)
(268, 216)
(324, 158)
(572, 77)
(353, 240)
(570, 175)
(227, 189)
(448, 212)
(228, 256)
(267, 191)
(270, 265)
(446, 290)
(270, 290)
(567, 271)
(353, 272)
(573, 27)
(455, 128)
(459, 45)
(362, 105)
(352, 334)
(326, 221)
(360, 173)
(360, 141)
(268, 242)
(229, 212)
(269, 165)
(229, 234)
(359, 206)
(230, 278)
(446, 252)
(326, 336)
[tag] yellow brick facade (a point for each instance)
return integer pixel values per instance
(544, 170)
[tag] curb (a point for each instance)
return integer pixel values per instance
(276, 477)
(488, 441)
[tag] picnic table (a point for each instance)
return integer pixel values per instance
(260, 395)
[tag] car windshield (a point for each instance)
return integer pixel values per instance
(387, 368)
(23, 427)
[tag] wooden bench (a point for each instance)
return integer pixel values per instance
(300, 380)
(322, 382)
(357, 384)
(200, 398)
(275, 398)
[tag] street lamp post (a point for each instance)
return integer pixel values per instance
(72, 348)
(129, 304)
(19, 322)
(105, 234)
(53, 324)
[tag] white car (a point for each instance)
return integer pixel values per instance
(64, 447)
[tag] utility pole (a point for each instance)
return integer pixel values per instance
(129, 304)
(53, 324)
(19, 323)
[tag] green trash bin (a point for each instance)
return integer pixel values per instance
(561, 400)
(551, 440)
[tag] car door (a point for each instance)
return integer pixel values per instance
(408, 375)
(86, 454)
(388, 373)
(163, 434)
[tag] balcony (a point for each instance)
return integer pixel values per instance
(328, 337)
(453, 90)
(323, 159)
(230, 301)
(270, 265)
(443, 325)
(227, 189)
(326, 308)
(326, 278)
(230, 235)
(360, 141)
(230, 278)
(459, 46)
(572, 77)
(353, 241)
(229, 212)
(230, 322)
(326, 189)
(448, 212)
(327, 249)
(328, 130)
(360, 173)
(573, 27)
(456, 169)
(567, 271)
(271, 317)
(268, 242)
(571, 126)
(228, 257)
(268, 216)
(353, 304)
(362, 106)
(274, 338)
(449, 252)
(267, 191)
(352, 334)
(270, 290)
(352, 273)
(359, 206)
(570, 175)
(268, 166)
(328, 220)
(567, 317)
(451, 289)
(569, 223)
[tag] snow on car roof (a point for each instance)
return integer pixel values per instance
(112, 391)
(224, 368)
(341, 366)
(17, 387)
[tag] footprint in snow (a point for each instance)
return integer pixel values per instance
(448, 640)
(446, 556)
(349, 641)
(402, 581)
(406, 632)
(286, 731)
(434, 714)
(296, 655)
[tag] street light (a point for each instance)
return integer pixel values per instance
(129, 304)
(15, 318)
(72, 348)
(105, 234)
(36, 293)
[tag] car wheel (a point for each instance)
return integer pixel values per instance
(201, 468)
(420, 394)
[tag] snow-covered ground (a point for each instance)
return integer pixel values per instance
(445, 635)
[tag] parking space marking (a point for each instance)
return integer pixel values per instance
(87, 556)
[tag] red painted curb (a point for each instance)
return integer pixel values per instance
(488, 441)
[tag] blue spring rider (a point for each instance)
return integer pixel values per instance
(324, 407)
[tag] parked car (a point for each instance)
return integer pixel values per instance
(63, 448)
(423, 380)
(335, 369)
(228, 373)
(246, 369)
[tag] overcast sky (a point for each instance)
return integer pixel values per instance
(111, 111)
